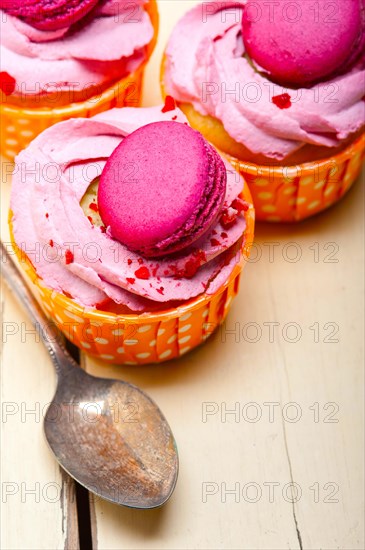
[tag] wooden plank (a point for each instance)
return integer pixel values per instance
(38, 505)
(283, 440)
(272, 378)
(323, 372)
(212, 453)
(260, 455)
(327, 374)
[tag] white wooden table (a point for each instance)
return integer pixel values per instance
(268, 415)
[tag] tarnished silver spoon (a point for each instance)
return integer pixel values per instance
(107, 434)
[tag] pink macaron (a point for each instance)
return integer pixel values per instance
(161, 189)
(299, 43)
(48, 15)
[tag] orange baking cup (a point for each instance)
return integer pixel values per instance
(293, 193)
(148, 337)
(19, 126)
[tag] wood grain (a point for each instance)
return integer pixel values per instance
(38, 505)
(313, 389)
(289, 362)
(316, 380)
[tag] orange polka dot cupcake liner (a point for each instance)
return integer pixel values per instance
(294, 193)
(144, 338)
(19, 126)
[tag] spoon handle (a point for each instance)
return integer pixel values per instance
(59, 355)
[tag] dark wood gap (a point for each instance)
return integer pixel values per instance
(73, 350)
(84, 517)
(82, 494)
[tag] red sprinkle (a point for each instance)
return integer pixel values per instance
(50, 242)
(174, 117)
(94, 207)
(282, 101)
(214, 242)
(224, 235)
(7, 83)
(90, 220)
(140, 261)
(131, 280)
(129, 261)
(160, 290)
(192, 265)
(103, 228)
(239, 205)
(104, 304)
(227, 219)
(47, 215)
(142, 273)
(169, 104)
(69, 257)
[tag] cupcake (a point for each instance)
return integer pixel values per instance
(280, 90)
(66, 59)
(134, 231)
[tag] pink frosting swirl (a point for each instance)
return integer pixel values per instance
(105, 45)
(206, 67)
(78, 258)
(46, 15)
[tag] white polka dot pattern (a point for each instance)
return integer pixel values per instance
(20, 126)
(147, 341)
(148, 338)
(293, 193)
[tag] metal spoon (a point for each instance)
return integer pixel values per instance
(107, 434)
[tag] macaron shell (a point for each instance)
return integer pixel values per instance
(48, 15)
(158, 179)
(204, 216)
(301, 42)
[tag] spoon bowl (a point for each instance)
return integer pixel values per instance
(113, 439)
(107, 434)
